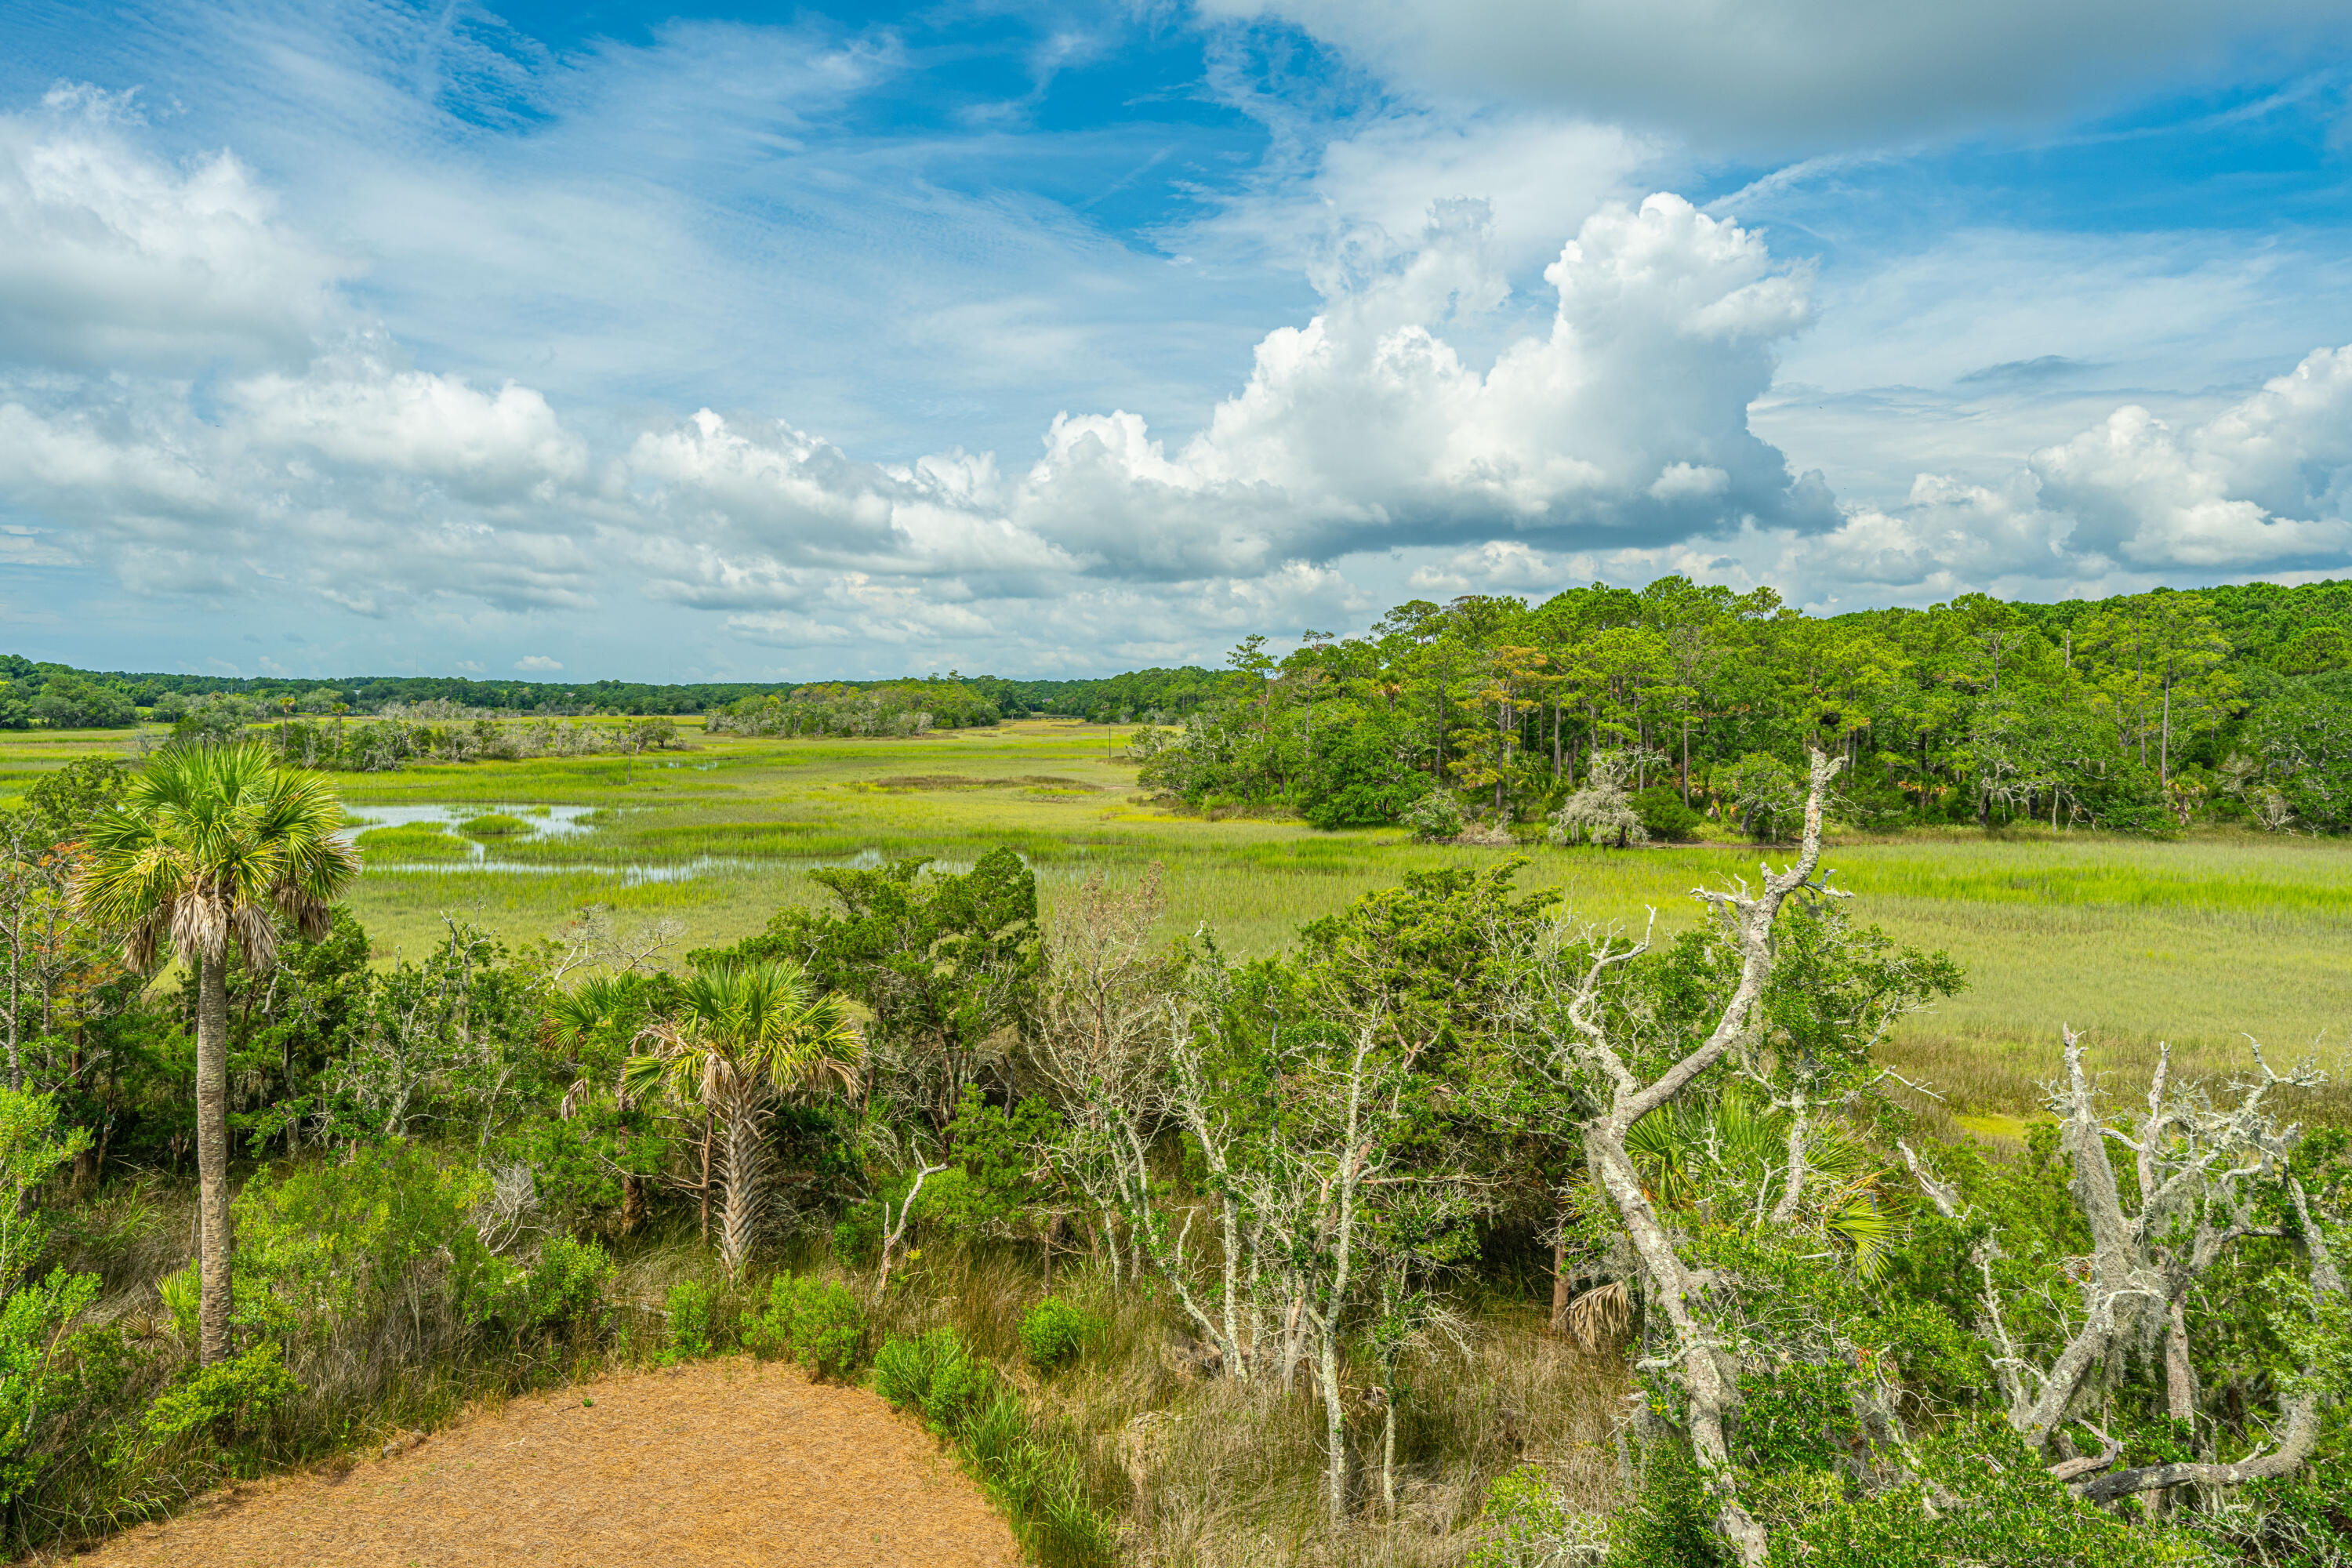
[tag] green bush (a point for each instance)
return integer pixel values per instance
(1434, 817)
(326, 1241)
(34, 1321)
(324, 1244)
(936, 1377)
(1526, 1525)
(1996, 1506)
(1670, 1523)
(2296, 1519)
(1665, 816)
(857, 1234)
(236, 1395)
(695, 1310)
(496, 825)
(565, 1285)
(35, 1315)
(902, 1371)
(1053, 1333)
(815, 1322)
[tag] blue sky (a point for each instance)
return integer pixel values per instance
(752, 342)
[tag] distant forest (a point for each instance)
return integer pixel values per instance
(57, 696)
(1616, 713)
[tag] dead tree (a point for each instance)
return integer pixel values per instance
(2199, 1169)
(1679, 1293)
(2300, 1414)
(1103, 1043)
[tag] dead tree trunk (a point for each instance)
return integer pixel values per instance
(1708, 1369)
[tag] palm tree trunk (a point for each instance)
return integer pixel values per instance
(746, 1158)
(703, 1191)
(214, 1245)
(633, 1204)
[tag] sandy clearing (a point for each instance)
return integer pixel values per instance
(729, 1462)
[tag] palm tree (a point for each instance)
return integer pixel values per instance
(745, 1035)
(210, 845)
(591, 1024)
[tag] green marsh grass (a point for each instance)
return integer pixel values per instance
(2199, 942)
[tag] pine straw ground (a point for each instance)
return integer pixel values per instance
(728, 1462)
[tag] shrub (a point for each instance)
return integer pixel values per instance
(936, 1375)
(326, 1241)
(36, 1314)
(857, 1234)
(815, 1322)
(32, 1323)
(1526, 1525)
(902, 1371)
(1996, 1507)
(565, 1285)
(237, 1393)
(768, 1332)
(1434, 817)
(1671, 1522)
(1665, 816)
(1054, 1332)
(694, 1310)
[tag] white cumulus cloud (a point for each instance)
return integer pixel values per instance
(113, 260)
(358, 412)
(1625, 415)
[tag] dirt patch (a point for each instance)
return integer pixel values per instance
(964, 781)
(730, 1463)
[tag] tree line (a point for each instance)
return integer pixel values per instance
(1651, 708)
(58, 697)
(1852, 1341)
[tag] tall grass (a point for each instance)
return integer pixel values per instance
(1196, 1471)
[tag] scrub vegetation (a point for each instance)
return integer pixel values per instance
(1217, 1187)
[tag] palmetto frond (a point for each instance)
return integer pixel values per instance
(207, 844)
(597, 1007)
(1658, 1143)
(1739, 1143)
(1854, 1216)
(1603, 1316)
(1680, 1149)
(746, 1028)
